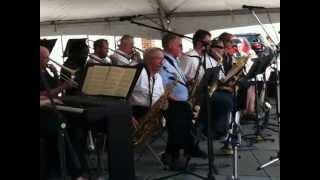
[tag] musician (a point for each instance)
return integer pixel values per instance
(77, 52)
(149, 87)
(221, 101)
(53, 81)
(101, 48)
(126, 55)
(228, 57)
(192, 62)
(178, 114)
(48, 119)
(96, 118)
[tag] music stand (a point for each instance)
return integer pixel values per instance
(259, 67)
(63, 137)
(103, 82)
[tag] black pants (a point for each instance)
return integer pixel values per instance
(222, 103)
(179, 124)
(139, 111)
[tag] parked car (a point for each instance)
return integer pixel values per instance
(257, 42)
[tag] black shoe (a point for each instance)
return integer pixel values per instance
(166, 159)
(179, 164)
(198, 153)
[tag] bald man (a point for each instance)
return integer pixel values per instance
(149, 87)
(54, 85)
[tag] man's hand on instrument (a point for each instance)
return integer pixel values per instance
(191, 82)
(231, 83)
(68, 84)
(165, 104)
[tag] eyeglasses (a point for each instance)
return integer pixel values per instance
(216, 46)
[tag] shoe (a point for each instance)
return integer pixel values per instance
(198, 153)
(166, 159)
(179, 163)
(226, 150)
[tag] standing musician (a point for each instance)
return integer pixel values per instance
(149, 87)
(192, 61)
(126, 55)
(101, 48)
(178, 114)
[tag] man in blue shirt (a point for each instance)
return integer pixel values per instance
(179, 113)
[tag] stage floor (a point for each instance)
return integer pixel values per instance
(147, 167)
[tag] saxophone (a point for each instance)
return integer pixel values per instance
(151, 121)
(234, 74)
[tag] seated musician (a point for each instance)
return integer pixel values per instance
(101, 48)
(178, 114)
(96, 118)
(48, 119)
(149, 86)
(221, 100)
(126, 55)
(77, 52)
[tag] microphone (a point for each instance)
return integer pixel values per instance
(252, 7)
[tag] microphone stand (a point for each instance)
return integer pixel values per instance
(159, 29)
(277, 158)
(63, 137)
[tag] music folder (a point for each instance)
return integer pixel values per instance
(110, 80)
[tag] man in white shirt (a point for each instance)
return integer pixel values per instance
(125, 55)
(192, 61)
(100, 55)
(149, 87)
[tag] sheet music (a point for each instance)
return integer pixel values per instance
(108, 80)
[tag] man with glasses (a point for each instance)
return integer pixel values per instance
(192, 62)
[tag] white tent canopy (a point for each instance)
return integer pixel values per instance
(103, 17)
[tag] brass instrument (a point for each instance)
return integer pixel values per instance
(234, 74)
(71, 71)
(151, 121)
(61, 75)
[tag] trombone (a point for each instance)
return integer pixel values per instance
(71, 71)
(63, 76)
